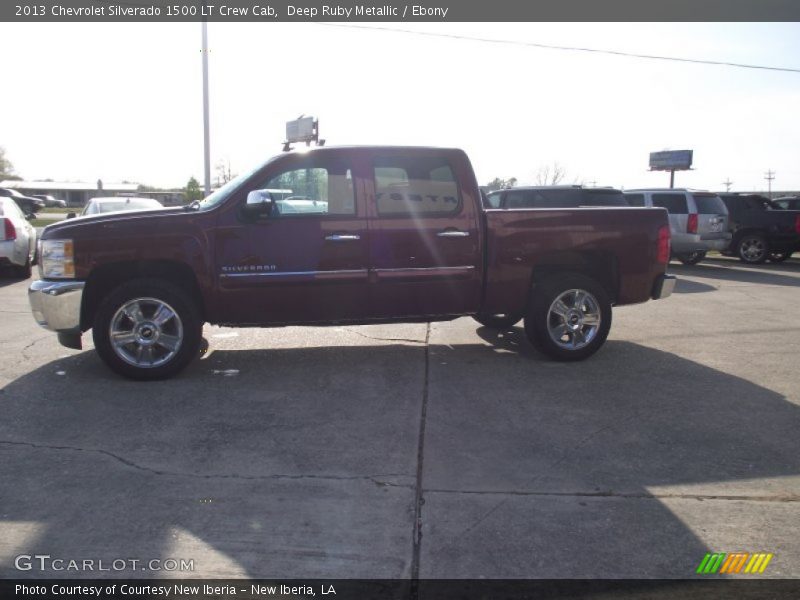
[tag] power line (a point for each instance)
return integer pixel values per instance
(568, 48)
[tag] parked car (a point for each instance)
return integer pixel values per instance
(50, 201)
(17, 239)
(96, 206)
(27, 204)
(560, 196)
(698, 220)
(404, 238)
(761, 229)
(788, 202)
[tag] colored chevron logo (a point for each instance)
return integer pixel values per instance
(734, 562)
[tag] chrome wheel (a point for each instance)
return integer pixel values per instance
(146, 332)
(753, 249)
(573, 319)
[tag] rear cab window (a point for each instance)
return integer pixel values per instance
(412, 186)
(493, 199)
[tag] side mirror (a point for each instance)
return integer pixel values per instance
(259, 203)
(71, 215)
(30, 216)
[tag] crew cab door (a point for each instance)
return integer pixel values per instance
(307, 260)
(425, 247)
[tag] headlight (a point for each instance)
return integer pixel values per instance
(57, 259)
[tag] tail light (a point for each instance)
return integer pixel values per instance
(797, 224)
(9, 230)
(663, 250)
(691, 224)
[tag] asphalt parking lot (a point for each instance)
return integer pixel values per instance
(444, 451)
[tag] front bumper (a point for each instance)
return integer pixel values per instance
(663, 286)
(56, 306)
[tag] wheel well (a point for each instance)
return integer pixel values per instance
(749, 231)
(601, 267)
(105, 278)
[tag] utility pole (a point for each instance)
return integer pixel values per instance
(727, 183)
(770, 175)
(206, 138)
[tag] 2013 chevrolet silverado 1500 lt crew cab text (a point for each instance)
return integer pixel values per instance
(344, 235)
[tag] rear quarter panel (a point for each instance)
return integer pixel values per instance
(521, 242)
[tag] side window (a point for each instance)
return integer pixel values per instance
(674, 203)
(635, 199)
(526, 199)
(415, 186)
(313, 190)
(518, 200)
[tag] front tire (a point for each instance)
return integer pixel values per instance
(752, 249)
(147, 329)
(499, 321)
(692, 258)
(569, 317)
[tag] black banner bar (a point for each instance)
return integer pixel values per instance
(365, 11)
(393, 589)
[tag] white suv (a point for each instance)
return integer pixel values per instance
(698, 220)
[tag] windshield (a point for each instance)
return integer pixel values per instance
(226, 190)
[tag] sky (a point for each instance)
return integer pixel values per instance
(124, 101)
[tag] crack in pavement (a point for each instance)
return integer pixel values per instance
(567, 455)
(376, 479)
(24, 350)
(419, 499)
(778, 498)
(381, 339)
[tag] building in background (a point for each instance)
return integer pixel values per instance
(75, 193)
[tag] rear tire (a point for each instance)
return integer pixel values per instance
(692, 258)
(778, 257)
(25, 271)
(752, 249)
(569, 317)
(499, 321)
(147, 329)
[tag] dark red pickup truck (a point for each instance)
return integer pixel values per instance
(343, 235)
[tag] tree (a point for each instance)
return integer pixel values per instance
(501, 184)
(193, 191)
(550, 174)
(6, 167)
(224, 174)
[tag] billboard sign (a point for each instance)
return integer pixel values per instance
(671, 160)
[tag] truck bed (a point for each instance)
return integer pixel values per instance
(602, 242)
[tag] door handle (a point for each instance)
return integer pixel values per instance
(453, 233)
(338, 237)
